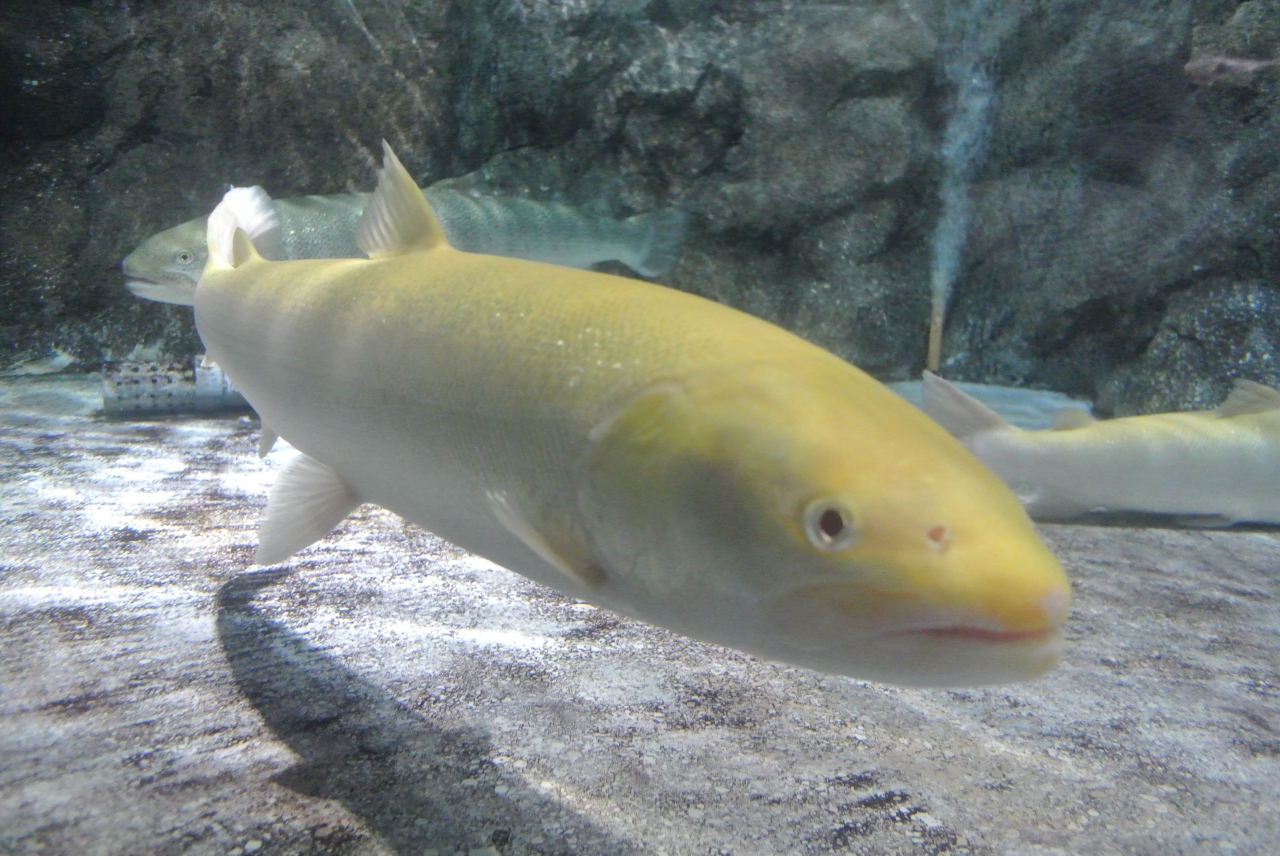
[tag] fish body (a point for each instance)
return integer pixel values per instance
(632, 445)
(167, 266)
(1211, 467)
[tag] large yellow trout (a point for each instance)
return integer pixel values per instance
(632, 445)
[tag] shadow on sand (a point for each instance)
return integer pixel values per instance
(397, 770)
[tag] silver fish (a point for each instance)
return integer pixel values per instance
(1205, 467)
(167, 266)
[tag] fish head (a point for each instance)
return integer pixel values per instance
(167, 266)
(810, 516)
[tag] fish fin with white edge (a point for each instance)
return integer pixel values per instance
(664, 238)
(956, 410)
(1069, 418)
(515, 523)
(1247, 397)
(250, 211)
(397, 219)
(307, 501)
(266, 439)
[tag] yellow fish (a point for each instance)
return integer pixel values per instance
(1207, 467)
(631, 445)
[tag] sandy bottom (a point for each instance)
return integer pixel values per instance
(386, 693)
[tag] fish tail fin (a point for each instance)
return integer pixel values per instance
(957, 411)
(663, 238)
(397, 219)
(244, 226)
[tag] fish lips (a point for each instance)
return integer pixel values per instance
(135, 282)
(150, 289)
(851, 631)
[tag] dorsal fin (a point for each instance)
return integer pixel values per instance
(1071, 417)
(957, 411)
(397, 218)
(1248, 397)
(248, 210)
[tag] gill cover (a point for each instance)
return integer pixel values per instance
(700, 484)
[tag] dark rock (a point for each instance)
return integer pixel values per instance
(804, 139)
(154, 110)
(1211, 335)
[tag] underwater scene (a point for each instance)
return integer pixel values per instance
(640, 427)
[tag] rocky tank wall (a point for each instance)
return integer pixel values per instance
(1119, 172)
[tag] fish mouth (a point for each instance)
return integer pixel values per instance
(836, 611)
(141, 286)
(843, 631)
(161, 292)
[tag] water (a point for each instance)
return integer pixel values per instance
(1086, 193)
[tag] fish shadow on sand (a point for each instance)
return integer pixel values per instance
(414, 783)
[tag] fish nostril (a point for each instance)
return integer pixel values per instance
(939, 536)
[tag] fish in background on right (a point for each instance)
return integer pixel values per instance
(1205, 467)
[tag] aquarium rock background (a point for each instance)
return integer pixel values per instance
(1117, 236)
(1097, 184)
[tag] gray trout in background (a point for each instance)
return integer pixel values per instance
(167, 266)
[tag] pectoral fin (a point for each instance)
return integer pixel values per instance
(504, 509)
(307, 501)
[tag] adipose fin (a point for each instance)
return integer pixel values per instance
(266, 439)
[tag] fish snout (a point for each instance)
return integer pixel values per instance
(955, 620)
(1005, 587)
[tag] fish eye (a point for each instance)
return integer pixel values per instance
(829, 525)
(185, 257)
